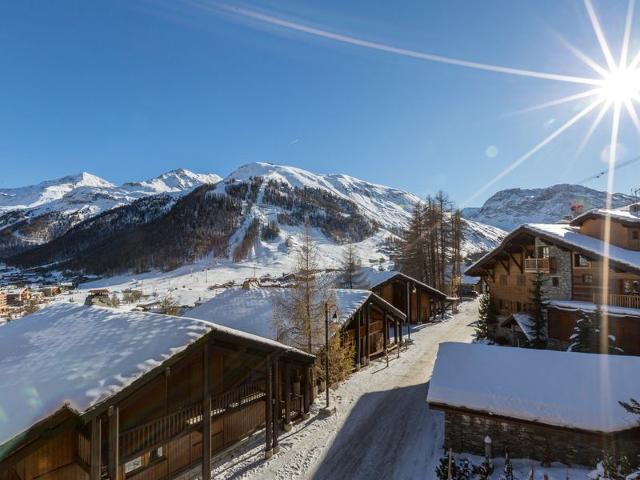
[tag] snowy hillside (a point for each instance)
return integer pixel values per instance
(39, 213)
(509, 208)
(254, 216)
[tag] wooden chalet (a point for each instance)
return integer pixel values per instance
(571, 260)
(546, 407)
(367, 321)
(253, 309)
(416, 299)
(95, 393)
(18, 296)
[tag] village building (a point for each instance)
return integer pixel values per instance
(3, 302)
(253, 310)
(549, 406)
(571, 259)
(51, 290)
(420, 302)
(91, 393)
(18, 296)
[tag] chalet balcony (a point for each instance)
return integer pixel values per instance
(534, 265)
(619, 300)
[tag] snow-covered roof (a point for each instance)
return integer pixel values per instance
(570, 237)
(252, 310)
(593, 245)
(371, 278)
(524, 321)
(247, 310)
(564, 389)
(82, 355)
(469, 280)
(576, 305)
(625, 214)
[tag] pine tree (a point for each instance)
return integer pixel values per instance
(481, 325)
(508, 468)
(351, 268)
(442, 470)
(584, 335)
(539, 327)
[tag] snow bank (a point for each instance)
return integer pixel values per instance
(565, 389)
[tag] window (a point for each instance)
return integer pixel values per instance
(555, 281)
(580, 261)
(134, 464)
(543, 252)
(587, 278)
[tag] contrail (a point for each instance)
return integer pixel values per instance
(300, 27)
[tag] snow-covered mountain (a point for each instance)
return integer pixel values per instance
(509, 208)
(256, 213)
(39, 213)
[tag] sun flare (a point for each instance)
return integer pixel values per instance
(621, 85)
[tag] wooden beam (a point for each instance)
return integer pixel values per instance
(506, 265)
(276, 401)
(385, 329)
(520, 265)
(96, 448)
(114, 434)
(367, 340)
(268, 412)
(358, 352)
(287, 397)
(206, 415)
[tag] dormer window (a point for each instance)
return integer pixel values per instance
(580, 261)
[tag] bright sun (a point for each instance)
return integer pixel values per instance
(621, 85)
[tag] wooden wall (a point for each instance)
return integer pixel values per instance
(621, 235)
(55, 460)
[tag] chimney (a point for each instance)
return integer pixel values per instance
(577, 208)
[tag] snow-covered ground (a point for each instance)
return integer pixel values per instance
(382, 427)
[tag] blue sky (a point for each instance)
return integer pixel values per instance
(127, 90)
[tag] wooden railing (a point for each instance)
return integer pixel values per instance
(619, 300)
(148, 435)
(537, 265)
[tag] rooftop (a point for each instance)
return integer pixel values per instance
(79, 356)
(564, 389)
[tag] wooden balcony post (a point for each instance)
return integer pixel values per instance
(268, 411)
(305, 393)
(96, 448)
(385, 330)
(114, 434)
(206, 415)
(367, 338)
(358, 353)
(276, 401)
(287, 397)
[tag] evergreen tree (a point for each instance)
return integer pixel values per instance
(442, 470)
(351, 268)
(508, 468)
(487, 317)
(584, 335)
(539, 326)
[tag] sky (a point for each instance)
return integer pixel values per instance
(129, 89)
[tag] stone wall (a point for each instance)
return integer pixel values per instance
(466, 432)
(562, 261)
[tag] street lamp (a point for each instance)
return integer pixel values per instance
(327, 410)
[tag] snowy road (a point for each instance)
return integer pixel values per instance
(382, 428)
